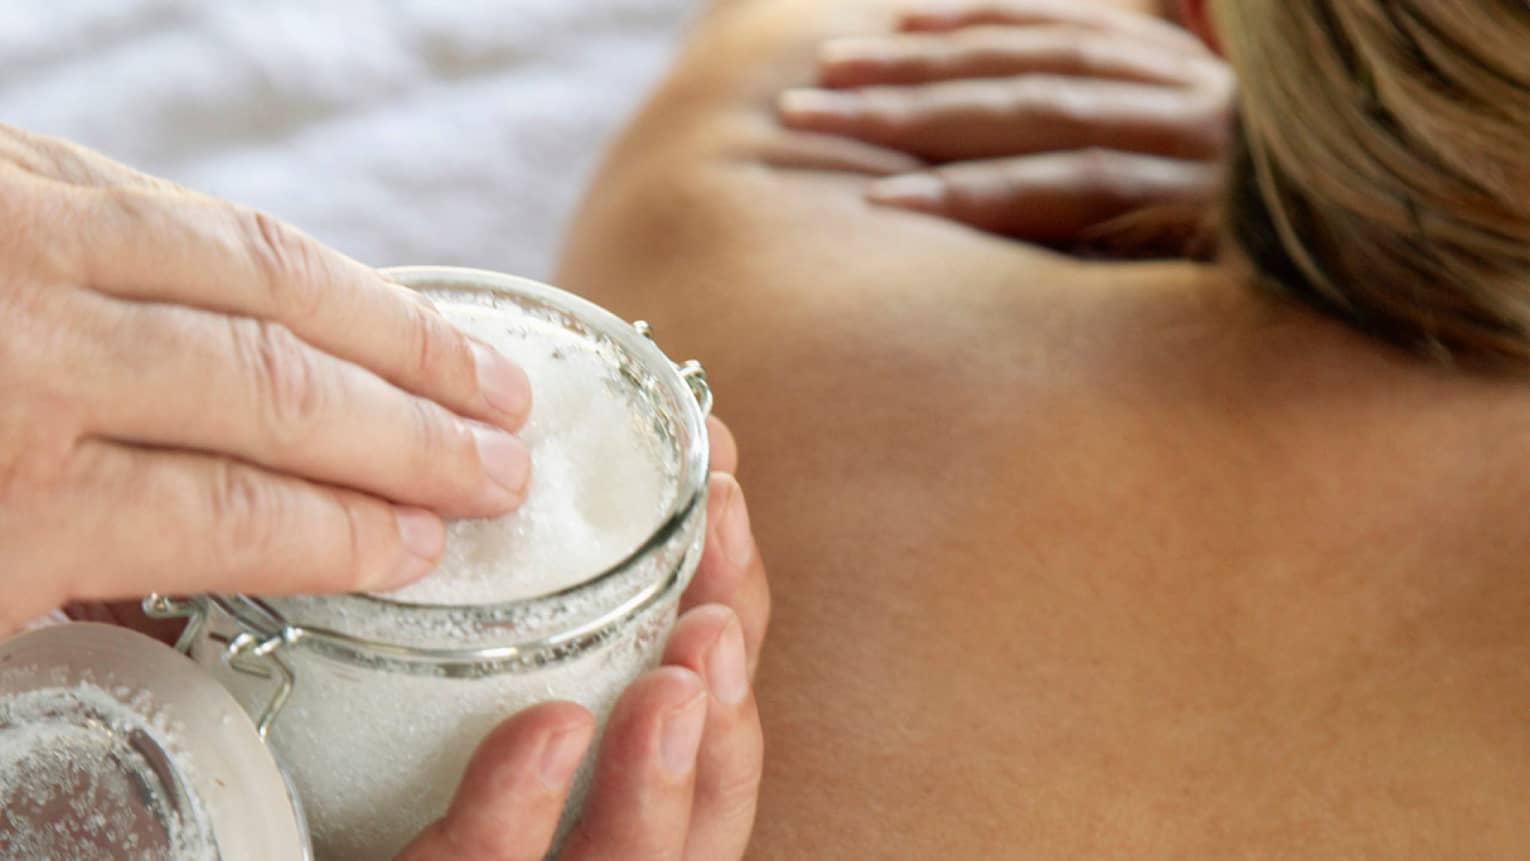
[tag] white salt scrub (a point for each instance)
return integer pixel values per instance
(570, 598)
(598, 484)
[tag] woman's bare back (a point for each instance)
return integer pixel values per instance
(1073, 559)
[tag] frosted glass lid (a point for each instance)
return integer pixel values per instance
(114, 746)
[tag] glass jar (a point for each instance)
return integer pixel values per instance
(374, 706)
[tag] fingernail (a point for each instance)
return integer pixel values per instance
(911, 190)
(423, 535)
(804, 104)
(726, 675)
(503, 383)
(561, 755)
(505, 460)
(681, 736)
(854, 50)
(733, 530)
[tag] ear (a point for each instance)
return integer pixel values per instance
(1196, 18)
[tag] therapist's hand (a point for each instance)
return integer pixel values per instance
(1037, 119)
(678, 771)
(195, 397)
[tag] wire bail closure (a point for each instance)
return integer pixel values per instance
(247, 652)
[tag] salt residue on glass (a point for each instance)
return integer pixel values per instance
(376, 755)
(87, 773)
(599, 485)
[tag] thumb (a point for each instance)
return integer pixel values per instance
(511, 796)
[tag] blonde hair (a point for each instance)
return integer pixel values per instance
(1381, 165)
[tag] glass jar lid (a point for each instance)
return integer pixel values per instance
(113, 746)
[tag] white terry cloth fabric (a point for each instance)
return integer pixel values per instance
(54, 617)
(399, 131)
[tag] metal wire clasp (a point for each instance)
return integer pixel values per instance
(691, 371)
(158, 606)
(250, 653)
(257, 657)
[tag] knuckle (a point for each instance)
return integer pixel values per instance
(985, 51)
(956, 181)
(439, 353)
(737, 793)
(25, 321)
(1029, 93)
(986, 101)
(441, 440)
(45, 226)
(1210, 112)
(346, 572)
(919, 57)
(72, 164)
(430, 432)
(1099, 170)
(1092, 51)
(964, 189)
(52, 158)
(891, 111)
(421, 338)
(336, 523)
(282, 378)
(1064, 103)
(19, 149)
(286, 261)
(977, 39)
(246, 512)
(461, 843)
(630, 838)
(1084, 55)
(633, 843)
(36, 450)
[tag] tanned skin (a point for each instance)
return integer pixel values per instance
(1071, 559)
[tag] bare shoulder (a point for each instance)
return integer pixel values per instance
(707, 211)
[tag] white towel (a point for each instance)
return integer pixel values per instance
(407, 131)
(54, 617)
